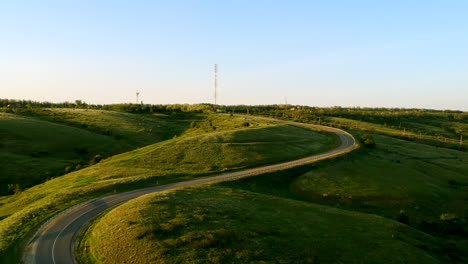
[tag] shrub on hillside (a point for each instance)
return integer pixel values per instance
(448, 218)
(367, 140)
(95, 160)
(14, 188)
(454, 183)
(403, 217)
(68, 169)
(448, 225)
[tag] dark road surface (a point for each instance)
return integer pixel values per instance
(54, 243)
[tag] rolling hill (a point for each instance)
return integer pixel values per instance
(212, 145)
(399, 202)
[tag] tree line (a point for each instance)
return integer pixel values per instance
(449, 120)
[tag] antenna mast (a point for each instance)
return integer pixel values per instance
(215, 84)
(137, 97)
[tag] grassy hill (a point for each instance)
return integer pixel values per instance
(212, 145)
(424, 181)
(437, 134)
(33, 150)
(44, 143)
(214, 224)
(433, 127)
(400, 202)
(135, 129)
(405, 200)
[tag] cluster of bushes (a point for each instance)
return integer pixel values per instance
(448, 224)
(14, 188)
(403, 217)
(171, 108)
(203, 125)
(96, 159)
(12, 105)
(367, 140)
(9, 104)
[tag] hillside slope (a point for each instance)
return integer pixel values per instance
(135, 129)
(39, 144)
(214, 224)
(200, 151)
(344, 210)
(33, 150)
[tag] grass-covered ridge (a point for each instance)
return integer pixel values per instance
(214, 144)
(436, 124)
(214, 224)
(33, 150)
(39, 144)
(397, 175)
(136, 129)
(339, 210)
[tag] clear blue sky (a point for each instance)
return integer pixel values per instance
(322, 53)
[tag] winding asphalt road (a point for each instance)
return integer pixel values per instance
(54, 242)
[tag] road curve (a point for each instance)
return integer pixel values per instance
(54, 242)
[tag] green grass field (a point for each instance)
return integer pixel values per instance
(33, 150)
(404, 201)
(435, 134)
(212, 145)
(422, 180)
(135, 129)
(344, 210)
(45, 143)
(214, 224)
(435, 127)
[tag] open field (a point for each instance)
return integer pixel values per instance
(305, 214)
(215, 144)
(416, 184)
(415, 175)
(33, 150)
(235, 131)
(419, 132)
(433, 127)
(45, 143)
(424, 181)
(214, 224)
(135, 129)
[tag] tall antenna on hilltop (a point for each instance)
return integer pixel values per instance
(285, 100)
(137, 97)
(215, 84)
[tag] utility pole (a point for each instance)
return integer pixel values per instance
(137, 97)
(215, 84)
